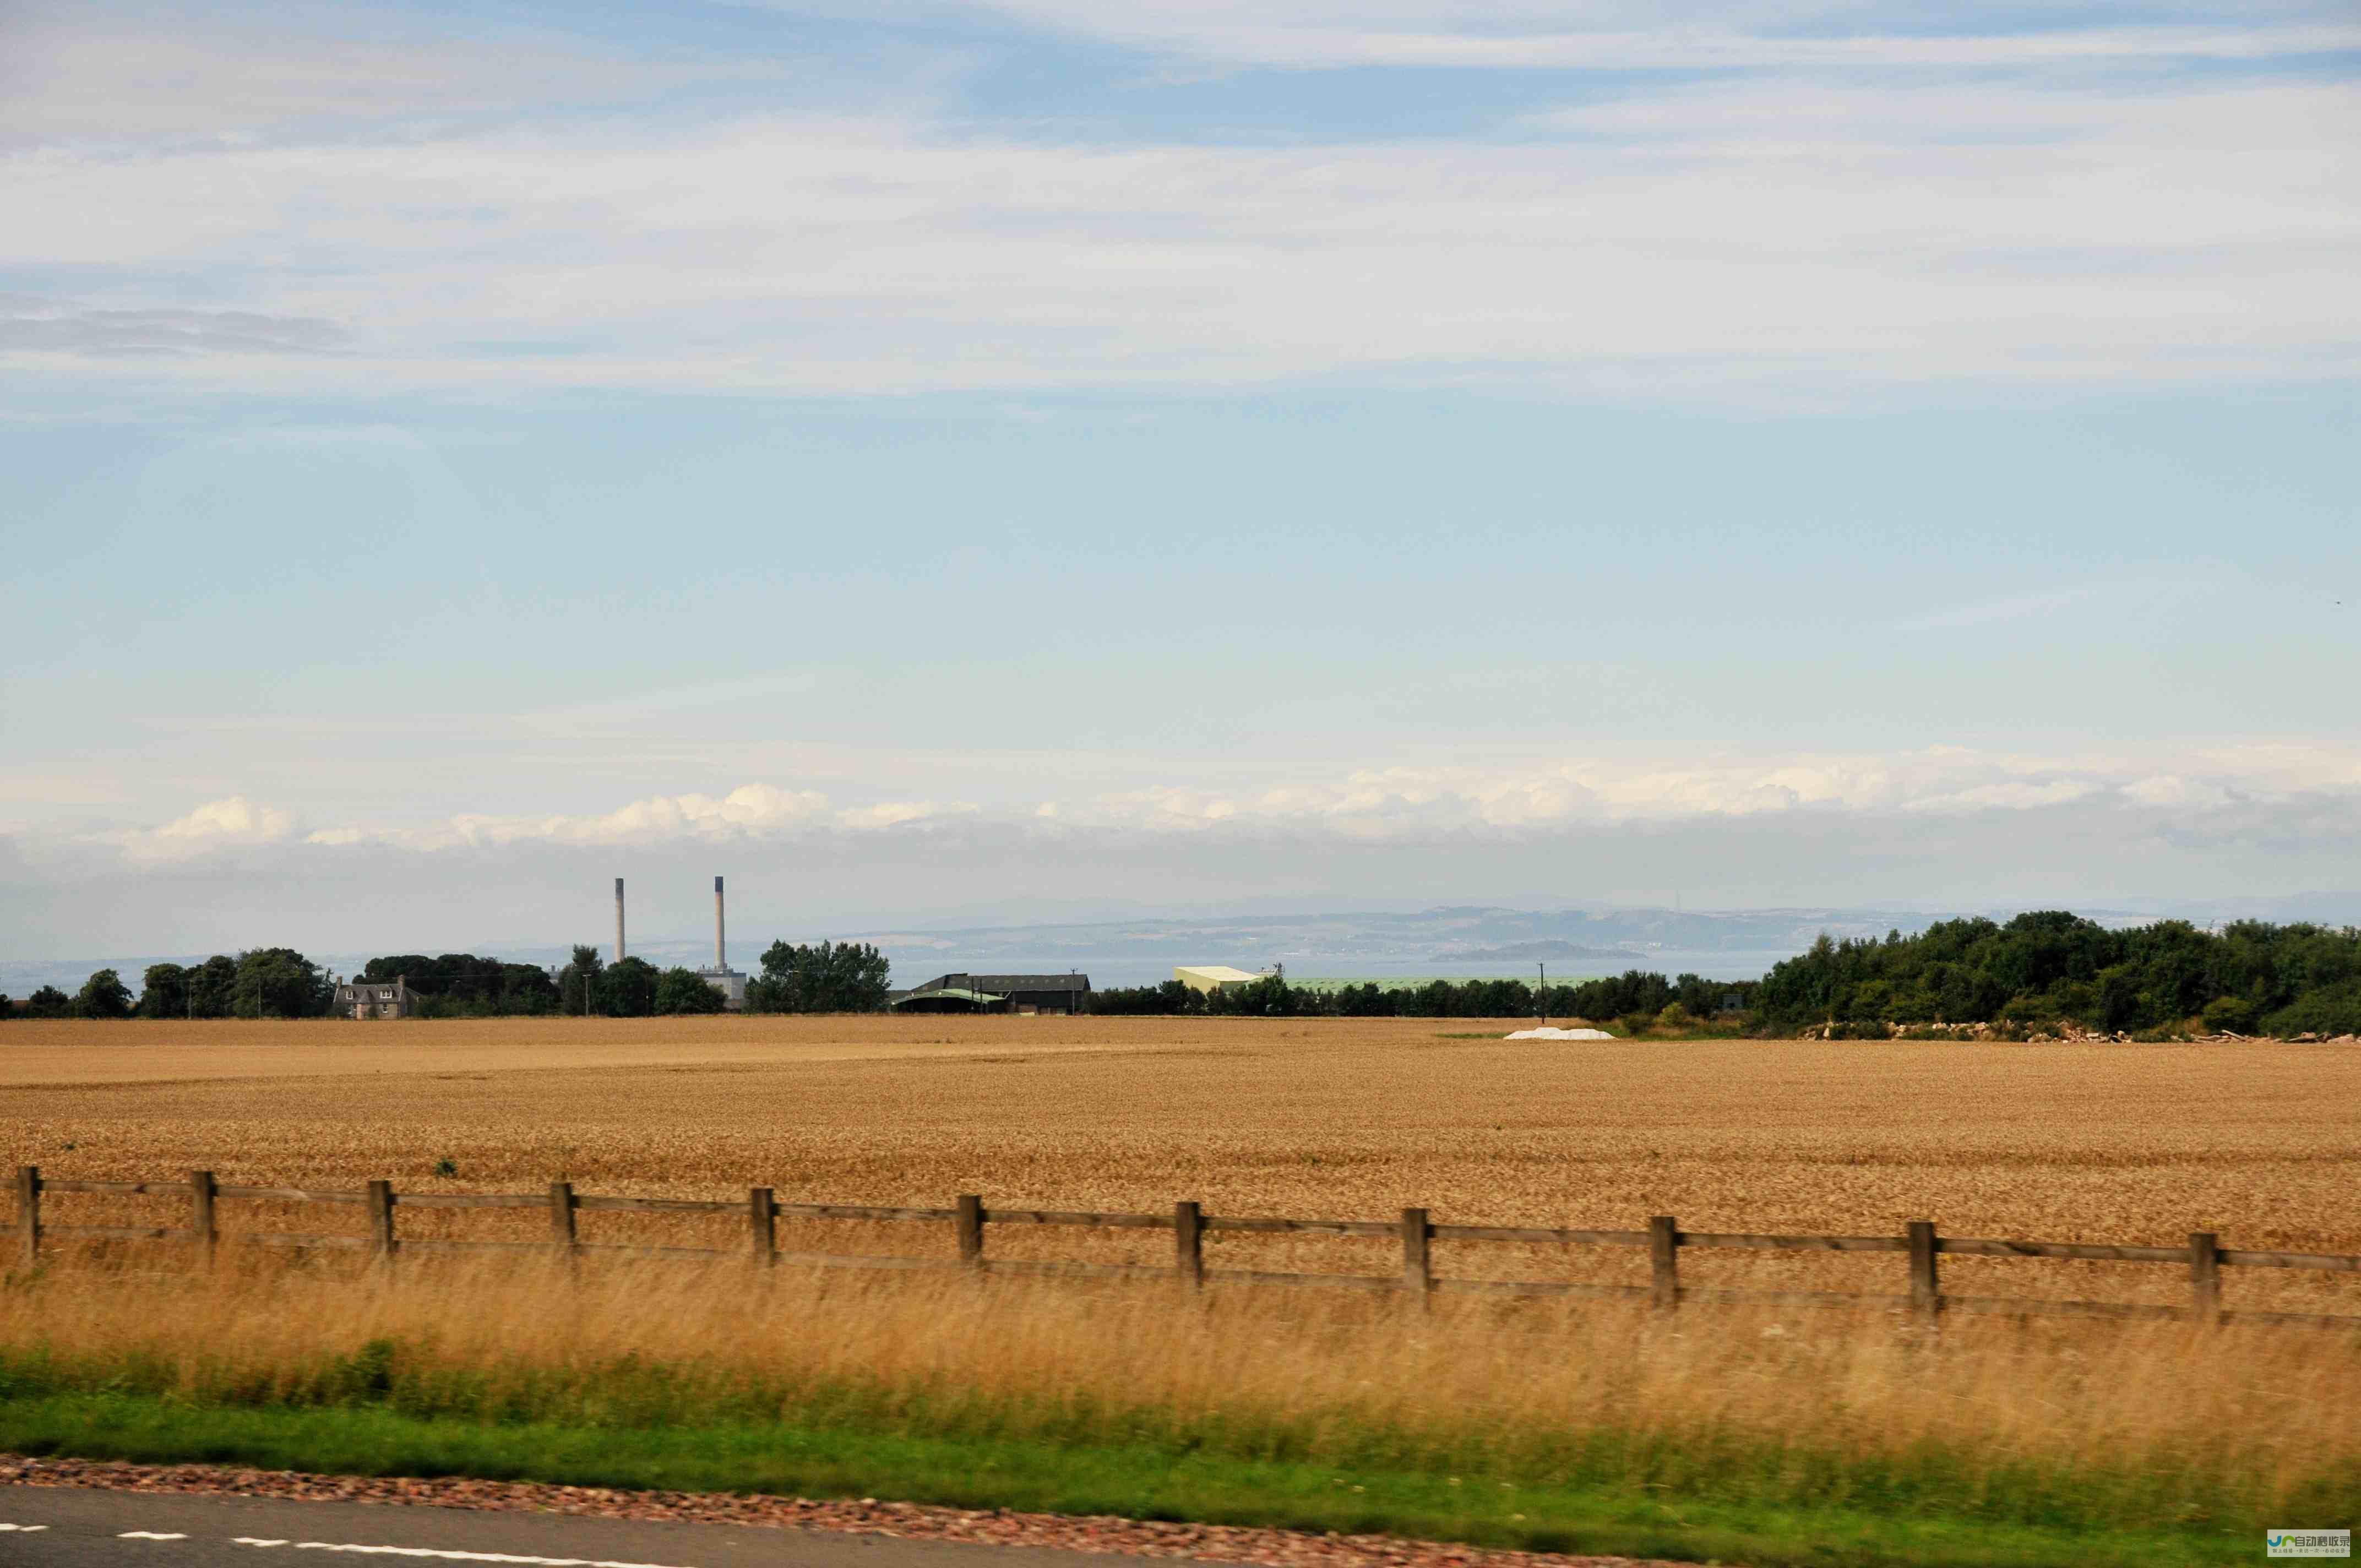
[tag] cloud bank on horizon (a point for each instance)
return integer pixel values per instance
(1994, 830)
(1370, 804)
(1387, 449)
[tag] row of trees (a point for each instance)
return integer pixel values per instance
(2053, 967)
(826, 977)
(279, 982)
(461, 985)
(263, 982)
(831, 977)
(2036, 970)
(632, 988)
(1636, 995)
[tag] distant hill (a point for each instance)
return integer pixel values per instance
(1529, 952)
(1720, 944)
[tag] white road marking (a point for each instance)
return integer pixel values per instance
(253, 1541)
(147, 1535)
(21, 1528)
(469, 1556)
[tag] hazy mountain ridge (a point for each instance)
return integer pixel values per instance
(1442, 939)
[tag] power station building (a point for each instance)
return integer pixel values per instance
(729, 981)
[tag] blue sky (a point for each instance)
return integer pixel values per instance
(1042, 456)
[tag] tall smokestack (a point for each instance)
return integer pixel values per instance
(720, 946)
(619, 919)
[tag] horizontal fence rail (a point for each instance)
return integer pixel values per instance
(2204, 1257)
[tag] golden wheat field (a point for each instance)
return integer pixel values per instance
(1318, 1119)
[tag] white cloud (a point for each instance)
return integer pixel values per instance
(758, 810)
(234, 822)
(749, 808)
(1985, 612)
(1408, 803)
(1739, 234)
(1524, 36)
(77, 70)
(42, 326)
(1413, 801)
(894, 813)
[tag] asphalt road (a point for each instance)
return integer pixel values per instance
(46, 1526)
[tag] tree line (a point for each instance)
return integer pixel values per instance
(2036, 972)
(824, 977)
(279, 982)
(1640, 998)
(2049, 967)
(262, 982)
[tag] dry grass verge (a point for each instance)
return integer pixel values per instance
(2095, 1425)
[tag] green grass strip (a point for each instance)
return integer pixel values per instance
(1138, 1482)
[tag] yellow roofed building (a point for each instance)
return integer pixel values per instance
(1211, 978)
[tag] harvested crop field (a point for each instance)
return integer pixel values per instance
(1307, 1119)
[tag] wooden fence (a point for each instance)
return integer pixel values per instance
(2204, 1257)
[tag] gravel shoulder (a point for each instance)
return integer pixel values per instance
(866, 1516)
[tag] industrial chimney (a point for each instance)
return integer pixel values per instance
(720, 946)
(619, 919)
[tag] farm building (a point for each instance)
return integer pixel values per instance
(947, 999)
(374, 999)
(1051, 994)
(1212, 977)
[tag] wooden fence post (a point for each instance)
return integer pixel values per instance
(1417, 1261)
(1188, 1243)
(202, 1236)
(381, 1221)
(2205, 1275)
(762, 1213)
(1664, 1263)
(28, 1215)
(561, 1221)
(1925, 1294)
(970, 1221)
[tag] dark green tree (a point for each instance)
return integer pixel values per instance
(831, 977)
(577, 987)
(1171, 998)
(2049, 966)
(49, 1002)
(629, 988)
(1269, 996)
(213, 988)
(462, 985)
(279, 982)
(686, 991)
(104, 995)
(164, 992)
